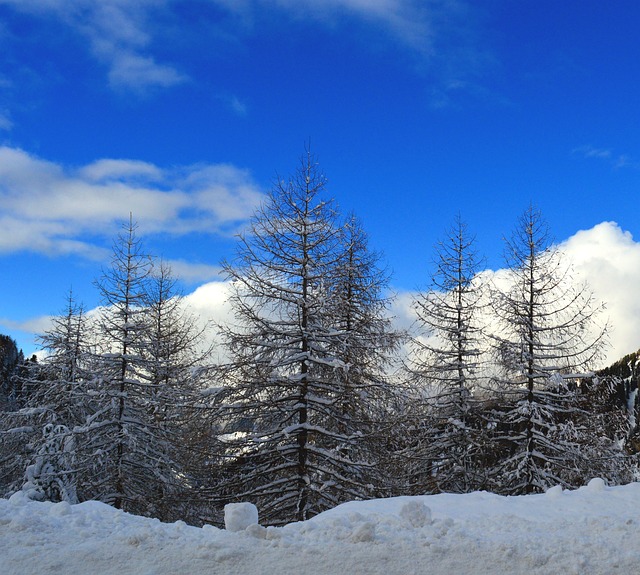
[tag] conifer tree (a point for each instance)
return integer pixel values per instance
(444, 363)
(297, 354)
(549, 335)
(10, 359)
(49, 466)
(126, 447)
(175, 359)
(362, 407)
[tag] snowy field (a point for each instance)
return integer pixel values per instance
(588, 531)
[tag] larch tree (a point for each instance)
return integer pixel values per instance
(61, 400)
(124, 441)
(175, 355)
(549, 336)
(361, 408)
(48, 425)
(444, 363)
(113, 399)
(148, 378)
(294, 372)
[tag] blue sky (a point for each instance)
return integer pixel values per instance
(184, 112)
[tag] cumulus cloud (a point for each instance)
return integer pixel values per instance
(49, 208)
(607, 258)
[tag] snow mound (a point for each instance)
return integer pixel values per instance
(584, 532)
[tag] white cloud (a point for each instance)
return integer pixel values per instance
(607, 258)
(130, 70)
(411, 22)
(119, 34)
(25, 332)
(210, 301)
(591, 152)
(104, 170)
(193, 273)
(32, 325)
(444, 36)
(616, 161)
(52, 209)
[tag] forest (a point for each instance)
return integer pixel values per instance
(311, 396)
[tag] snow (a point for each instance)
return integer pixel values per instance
(588, 531)
(239, 516)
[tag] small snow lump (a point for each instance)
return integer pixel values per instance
(239, 516)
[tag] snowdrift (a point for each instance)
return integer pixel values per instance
(592, 530)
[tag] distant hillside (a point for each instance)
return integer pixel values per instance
(627, 367)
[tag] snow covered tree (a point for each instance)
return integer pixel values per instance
(444, 363)
(10, 359)
(549, 335)
(299, 354)
(54, 409)
(52, 475)
(366, 339)
(62, 402)
(174, 354)
(110, 405)
(128, 460)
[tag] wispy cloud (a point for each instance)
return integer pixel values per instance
(123, 35)
(604, 154)
(53, 209)
(240, 108)
(233, 103)
(5, 121)
(119, 34)
(194, 273)
(132, 71)
(32, 325)
(411, 22)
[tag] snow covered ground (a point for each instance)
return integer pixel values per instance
(591, 530)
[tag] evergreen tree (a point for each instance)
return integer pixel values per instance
(128, 460)
(61, 406)
(48, 464)
(175, 355)
(445, 363)
(298, 354)
(10, 358)
(361, 410)
(548, 336)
